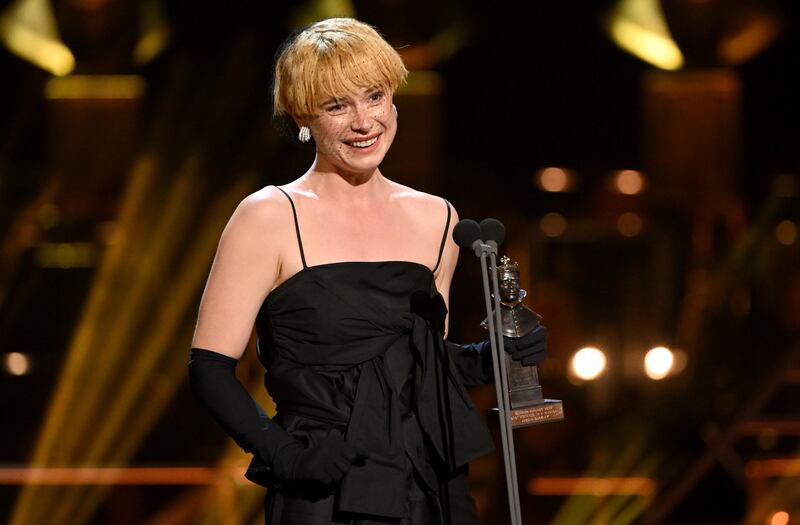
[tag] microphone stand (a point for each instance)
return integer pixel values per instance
(483, 249)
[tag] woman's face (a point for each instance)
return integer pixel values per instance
(353, 133)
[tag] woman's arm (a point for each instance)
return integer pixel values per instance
(474, 364)
(447, 266)
(245, 269)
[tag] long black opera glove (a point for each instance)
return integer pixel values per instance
(213, 382)
(474, 360)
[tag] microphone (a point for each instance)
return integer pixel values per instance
(467, 234)
(493, 230)
(483, 239)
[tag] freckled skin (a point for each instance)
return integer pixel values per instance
(354, 117)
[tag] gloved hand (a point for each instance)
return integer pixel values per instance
(531, 348)
(474, 360)
(325, 463)
(212, 378)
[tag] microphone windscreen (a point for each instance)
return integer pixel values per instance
(466, 232)
(493, 230)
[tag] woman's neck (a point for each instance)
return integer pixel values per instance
(343, 187)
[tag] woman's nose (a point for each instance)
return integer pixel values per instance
(362, 120)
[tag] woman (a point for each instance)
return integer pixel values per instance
(345, 274)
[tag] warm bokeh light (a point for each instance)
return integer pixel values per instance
(751, 39)
(658, 362)
(113, 87)
(638, 27)
(553, 179)
(588, 363)
(48, 216)
(17, 363)
(629, 224)
(553, 224)
(780, 517)
(29, 30)
(592, 486)
(786, 232)
(628, 182)
(66, 254)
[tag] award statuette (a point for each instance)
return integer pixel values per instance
(528, 405)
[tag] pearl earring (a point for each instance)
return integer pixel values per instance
(305, 134)
(395, 110)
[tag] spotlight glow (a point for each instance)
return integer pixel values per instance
(658, 362)
(553, 179)
(588, 363)
(629, 224)
(786, 232)
(780, 517)
(638, 27)
(17, 363)
(629, 182)
(553, 224)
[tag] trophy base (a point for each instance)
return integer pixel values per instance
(548, 411)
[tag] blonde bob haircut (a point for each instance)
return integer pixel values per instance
(329, 59)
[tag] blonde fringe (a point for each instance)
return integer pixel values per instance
(330, 59)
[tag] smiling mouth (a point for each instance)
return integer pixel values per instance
(364, 143)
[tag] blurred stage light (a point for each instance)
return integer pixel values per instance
(638, 27)
(780, 517)
(17, 363)
(48, 215)
(66, 254)
(554, 179)
(628, 182)
(592, 486)
(786, 232)
(553, 224)
(28, 29)
(79, 87)
(588, 363)
(658, 362)
(629, 224)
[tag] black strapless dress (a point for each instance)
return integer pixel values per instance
(356, 348)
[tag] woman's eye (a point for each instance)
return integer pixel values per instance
(334, 108)
(375, 97)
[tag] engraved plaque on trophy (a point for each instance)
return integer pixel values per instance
(528, 405)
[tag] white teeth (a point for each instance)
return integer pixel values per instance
(365, 144)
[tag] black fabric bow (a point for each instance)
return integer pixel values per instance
(432, 308)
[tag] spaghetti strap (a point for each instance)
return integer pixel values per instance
(444, 236)
(297, 228)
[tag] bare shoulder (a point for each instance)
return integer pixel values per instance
(426, 206)
(262, 225)
(261, 214)
(263, 205)
(245, 268)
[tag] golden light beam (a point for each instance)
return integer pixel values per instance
(110, 434)
(47, 451)
(638, 27)
(137, 280)
(612, 497)
(28, 29)
(113, 475)
(162, 356)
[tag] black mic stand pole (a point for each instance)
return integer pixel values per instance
(498, 358)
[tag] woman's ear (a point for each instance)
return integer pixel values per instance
(299, 121)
